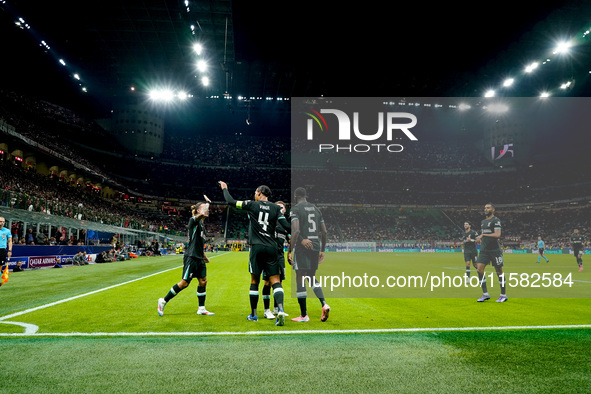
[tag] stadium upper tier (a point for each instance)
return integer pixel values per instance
(434, 172)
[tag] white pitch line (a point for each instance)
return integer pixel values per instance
(29, 328)
(10, 316)
(293, 332)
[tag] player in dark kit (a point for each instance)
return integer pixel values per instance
(490, 252)
(578, 243)
(470, 251)
(263, 216)
(308, 243)
(281, 235)
(194, 260)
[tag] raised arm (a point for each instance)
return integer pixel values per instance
(227, 196)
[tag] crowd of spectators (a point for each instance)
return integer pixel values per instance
(26, 189)
(436, 174)
(168, 181)
(521, 226)
(40, 122)
(236, 150)
(543, 183)
(459, 155)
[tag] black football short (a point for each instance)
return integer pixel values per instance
(263, 259)
(306, 259)
(494, 257)
(193, 268)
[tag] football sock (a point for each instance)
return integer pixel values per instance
(266, 296)
(301, 294)
(482, 279)
(318, 291)
(201, 295)
(468, 272)
(278, 295)
(172, 293)
(254, 298)
(502, 283)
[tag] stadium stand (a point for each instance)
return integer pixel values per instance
(424, 195)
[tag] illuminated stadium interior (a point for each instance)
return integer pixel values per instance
(117, 116)
(135, 120)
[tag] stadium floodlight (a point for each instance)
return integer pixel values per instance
(562, 47)
(157, 95)
(544, 95)
(489, 93)
(76, 76)
(531, 67)
(197, 47)
(163, 95)
(182, 95)
(565, 85)
(167, 95)
(205, 81)
(62, 62)
(508, 82)
(201, 65)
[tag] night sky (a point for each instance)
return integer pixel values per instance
(404, 49)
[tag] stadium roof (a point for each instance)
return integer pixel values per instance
(275, 49)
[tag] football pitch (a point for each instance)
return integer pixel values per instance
(95, 329)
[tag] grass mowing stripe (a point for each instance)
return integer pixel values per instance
(79, 296)
(132, 309)
(86, 294)
(524, 361)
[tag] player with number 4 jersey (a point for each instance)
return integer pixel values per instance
(263, 216)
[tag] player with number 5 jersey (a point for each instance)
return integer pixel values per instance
(308, 244)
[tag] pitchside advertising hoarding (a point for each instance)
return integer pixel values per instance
(35, 262)
(407, 160)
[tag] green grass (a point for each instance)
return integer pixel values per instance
(523, 361)
(531, 360)
(131, 307)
